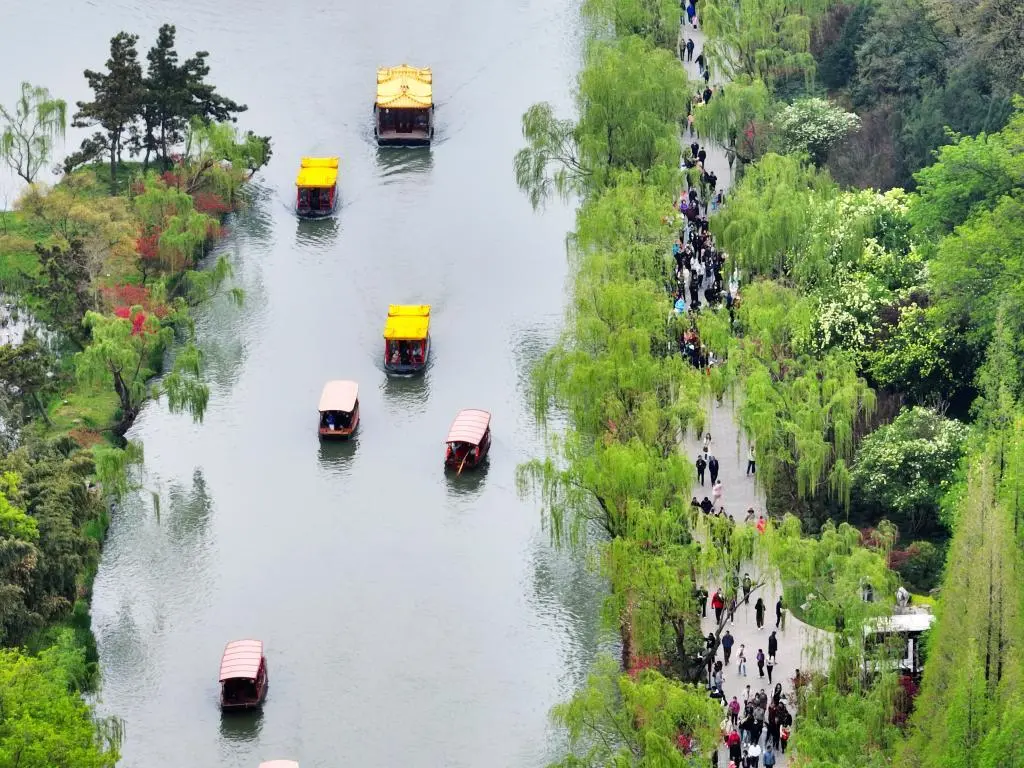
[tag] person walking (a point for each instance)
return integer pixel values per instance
(748, 584)
(760, 663)
(702, 598)
(689, 49)
(750, 460)
(780, 609)
(701, 464)
(734, 712)
(718, 603)
(753, 755)
(770, 666)
(773, 645)
(768, 759)
(713, 468)
(734, 742)
(759, 609)
(741, 660)
(707, 437)
(727, 642)
(716, 494)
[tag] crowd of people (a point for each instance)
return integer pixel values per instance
(699, 264)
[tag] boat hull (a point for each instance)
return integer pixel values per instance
(395, 139)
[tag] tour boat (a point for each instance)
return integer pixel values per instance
(317, 185)
(469, 439)
(403, 114)
(407, 338)
(243, 675)
(339, 409)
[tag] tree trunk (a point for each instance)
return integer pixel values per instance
(128, 409)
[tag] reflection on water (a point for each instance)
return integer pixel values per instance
(409, 393)
(239, 727)
(189, 513)
(336, 455)
(467, 486)
(316, 233)
(396, 161)
(254, 214)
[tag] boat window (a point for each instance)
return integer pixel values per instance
(240, 691)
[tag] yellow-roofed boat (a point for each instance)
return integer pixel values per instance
(317, 185)
(407, 338)
(404, 111)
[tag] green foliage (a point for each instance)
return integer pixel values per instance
(923, 566)
(632, 97)
(615, 721)
(937, 66)
(654, 20)
(118, 96)
(903, 469)
(735, 117)
(44, 723)
(176, 94)
(29, 130)
(813, 126)
(766, 39)
(973, 676)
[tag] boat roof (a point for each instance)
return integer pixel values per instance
(279, 764)
(469, 426)
(318, 172)
(241, 660)
(902, 622)
(404, 87)
(339, 396)
(407, 322)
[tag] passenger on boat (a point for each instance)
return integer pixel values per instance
(329, 420)
(403, 348)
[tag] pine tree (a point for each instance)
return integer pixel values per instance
(118, 97)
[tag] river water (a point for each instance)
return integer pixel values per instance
(409, 619)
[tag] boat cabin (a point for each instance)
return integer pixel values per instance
(243, 675)
(339, 409)
(407, 338)
(469, 439)
(317, 185)
(404, 111)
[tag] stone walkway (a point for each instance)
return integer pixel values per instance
(740, 493)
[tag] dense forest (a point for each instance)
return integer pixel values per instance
(99, 273)
(878, 156)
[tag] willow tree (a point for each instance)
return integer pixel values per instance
(168, 214)
(631, 98)
(619, 721)
(770, 214)
(767, 39)
(28, 131)
(655, 20)
(124, 352)
(735, 118)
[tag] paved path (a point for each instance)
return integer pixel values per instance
(739, 494)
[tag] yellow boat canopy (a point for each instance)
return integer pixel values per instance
(404, 87)
(407, 322)
(318, 172)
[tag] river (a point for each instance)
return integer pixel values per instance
(409, 619)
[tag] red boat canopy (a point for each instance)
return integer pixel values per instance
(469, 426)
(241, 660)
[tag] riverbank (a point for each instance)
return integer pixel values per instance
(102, 284)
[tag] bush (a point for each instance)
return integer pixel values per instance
(903, 469)
(920, 565)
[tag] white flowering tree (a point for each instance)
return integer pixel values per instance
(904, 468)
(814, 126)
